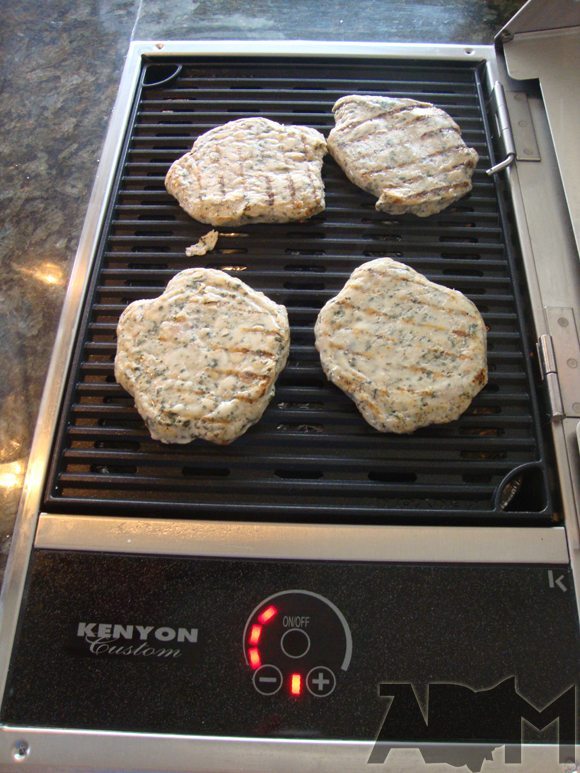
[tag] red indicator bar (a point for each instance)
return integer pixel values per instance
(254, 656)
(255, 633)
(268, 614)
(296, 684)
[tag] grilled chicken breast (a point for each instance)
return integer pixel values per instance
(252, 170)
(201, 360)
(409, 352)
(409, 154)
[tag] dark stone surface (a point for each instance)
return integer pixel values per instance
(441, 21)
(60, 72)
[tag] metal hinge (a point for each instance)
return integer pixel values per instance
(522, 123)
(504, 129)
(563, 332)
(518, 139)
(549, 373)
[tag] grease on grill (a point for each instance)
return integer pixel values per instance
(509, 491)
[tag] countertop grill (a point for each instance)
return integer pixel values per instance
(205, 607)
(311, 457)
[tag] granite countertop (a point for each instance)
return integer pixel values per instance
(61, 69)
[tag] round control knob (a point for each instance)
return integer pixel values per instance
(295, 642)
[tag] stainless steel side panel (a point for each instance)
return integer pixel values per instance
(554, 59)
(542, 15)
(552, 271)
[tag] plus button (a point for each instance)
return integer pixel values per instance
(320, 681)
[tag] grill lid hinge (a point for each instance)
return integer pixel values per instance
(549, 373)
(524, 133)
(563, 334)
(504, 128)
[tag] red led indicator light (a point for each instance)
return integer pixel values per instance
(296, 684)
(255, 633)
(268, 614)
(254, 656)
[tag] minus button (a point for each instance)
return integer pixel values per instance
(267, 679)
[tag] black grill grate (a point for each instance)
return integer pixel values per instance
(311, 456)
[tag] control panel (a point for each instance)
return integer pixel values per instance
(297, 640)
(289, 649)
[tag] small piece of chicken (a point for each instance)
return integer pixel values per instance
(206, 244)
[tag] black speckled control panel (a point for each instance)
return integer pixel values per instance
(289, 649)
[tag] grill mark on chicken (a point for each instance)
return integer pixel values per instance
(416, 356)
(200, 392)
(395, 343)
(220, 163)
(270, 191)
(447, 189)
(392, 113)
(242, 178)
(244, 375)
(413, 148)
(379, 131)
(312, 183)
(418, 178)
(401, 320)
(425, 392)
(244, 350)
(410, 298)
(481, 377)
(358, 146)
(291, 187)
(259, 329)
(199, 185)
(435, 154)
(442, 130)
(330, 344)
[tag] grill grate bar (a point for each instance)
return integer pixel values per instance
(280, 486)
(327, 463)
(362, 439)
